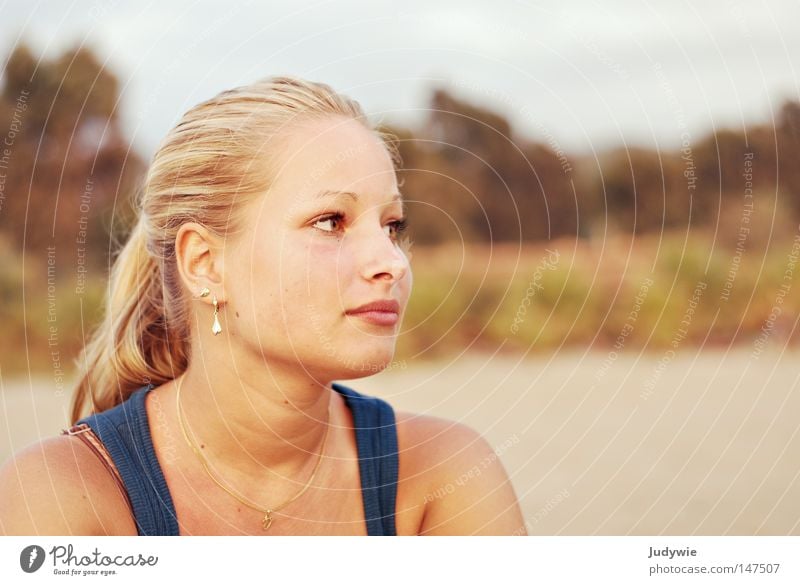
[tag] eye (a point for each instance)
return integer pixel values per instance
(333, 221)
(396, 227)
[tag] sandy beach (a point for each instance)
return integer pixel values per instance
(702, 442)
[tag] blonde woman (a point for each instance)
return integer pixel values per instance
(267, 261)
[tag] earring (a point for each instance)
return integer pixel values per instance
(216, 328)
(204, 293)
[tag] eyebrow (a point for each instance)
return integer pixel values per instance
(332, 193)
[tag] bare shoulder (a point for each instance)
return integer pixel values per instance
(58, 486)
(466, 487)
(433, 439)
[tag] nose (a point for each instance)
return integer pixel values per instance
(381, 259)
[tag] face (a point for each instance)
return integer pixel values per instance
(320, 244)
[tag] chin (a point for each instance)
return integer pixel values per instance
(368, 363)
(366, 369)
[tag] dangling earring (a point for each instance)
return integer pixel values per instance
(216, 328)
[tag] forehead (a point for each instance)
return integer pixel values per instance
(331, 154)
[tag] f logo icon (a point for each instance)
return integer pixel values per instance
(31, 558)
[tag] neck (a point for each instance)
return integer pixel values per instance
(270, 425)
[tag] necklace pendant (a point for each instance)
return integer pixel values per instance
(267, 521)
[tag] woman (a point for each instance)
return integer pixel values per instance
(267, 261)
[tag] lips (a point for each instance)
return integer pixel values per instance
(382, 312)
(385, 306)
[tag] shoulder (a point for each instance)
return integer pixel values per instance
(466, 489)
(439, 439)
(58, 486)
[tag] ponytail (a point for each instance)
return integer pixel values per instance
(131, 347)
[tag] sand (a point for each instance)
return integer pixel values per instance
(699, 443)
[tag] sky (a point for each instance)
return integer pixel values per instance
(579, 75)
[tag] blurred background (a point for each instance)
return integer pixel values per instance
(604, 200)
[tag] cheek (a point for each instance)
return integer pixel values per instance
(408, 284)
(255, 282)
(310, 275)
(324, 261)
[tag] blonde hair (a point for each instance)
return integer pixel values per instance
(203, 171)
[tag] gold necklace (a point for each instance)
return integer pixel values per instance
(267, 521)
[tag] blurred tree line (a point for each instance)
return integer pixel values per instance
(468, 174)
(67, 174)
(66, 171)
(69, 160)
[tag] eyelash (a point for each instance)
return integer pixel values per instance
(399, 225)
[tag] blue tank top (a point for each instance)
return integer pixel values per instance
(125, 432)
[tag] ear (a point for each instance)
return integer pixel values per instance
(198, 254)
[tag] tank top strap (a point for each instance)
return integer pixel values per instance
(376, 438)
(125, 432)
